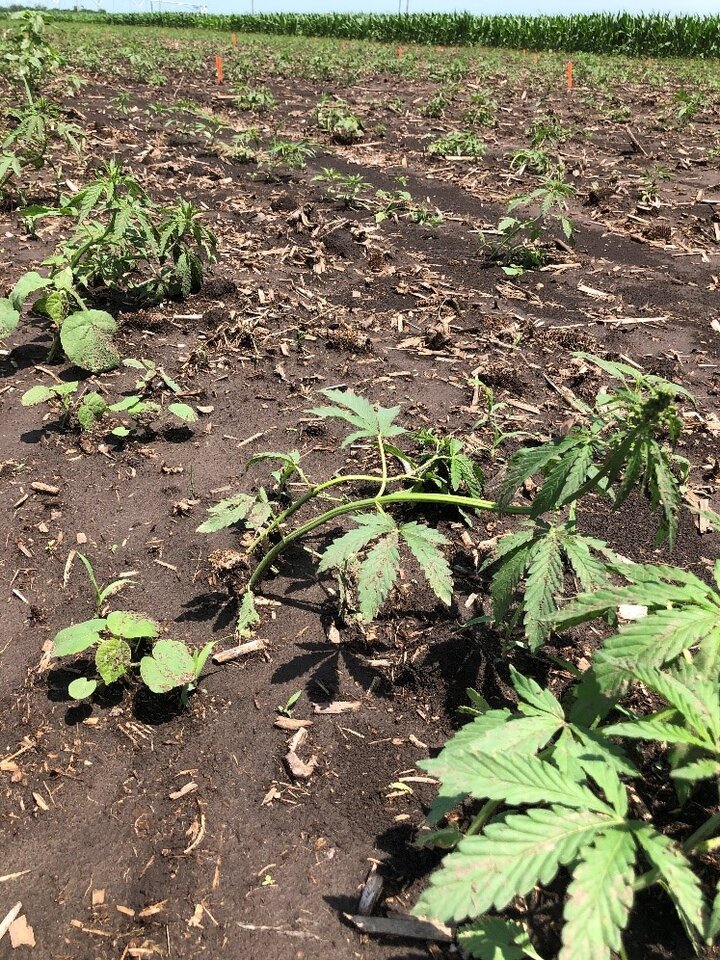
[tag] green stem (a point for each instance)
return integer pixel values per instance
(309, 495)
(488, 809)
(389, 499)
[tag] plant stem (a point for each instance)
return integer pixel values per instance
(488, 809)
(389, 499)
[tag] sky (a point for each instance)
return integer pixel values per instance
(417, 6)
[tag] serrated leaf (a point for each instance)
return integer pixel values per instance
(377, 574)
(517, 778)
(697, 771)
(243, 507)
(248, 617)
(494, 939)
(677, 874)
(78, 637)
(424, 544)
(492, 733)
(370, 420)
(652, 729)
(112, 659)
(599, 898)
(344, 548)
(131, 626)
(533, 694)
(543, 580)
(169, 666)
(513, 556)
(507, 861)
(87, 339)
(82, 688)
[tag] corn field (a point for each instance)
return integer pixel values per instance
(643, 35)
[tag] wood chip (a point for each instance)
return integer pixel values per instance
(47, 488)
(183, 791)
(40, 801)
(152, 909)
(298, 768)
(252, 646)
(98, 898)
(340, 706)
(21, 933)
(290, 723)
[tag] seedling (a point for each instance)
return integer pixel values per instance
(289, 708)
(460, 145)
(335, 117)
(102, 594)
(258, 100)
(347, 188)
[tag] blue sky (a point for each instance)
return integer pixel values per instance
(391, 6)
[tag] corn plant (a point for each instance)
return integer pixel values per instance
(558, 800)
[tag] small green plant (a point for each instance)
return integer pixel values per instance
(547, 130)
(114, 639)
(243, 146)
(255, 99)
(117, 641)
(121, 103)
(367, 558)
(84, 335)
(27, 55)
(102, 594)
(459, 145)
(293, 154)
(347, 188)
(334, 116)
(88, 409)
(628, 438)
(520, 247)
(531, 158)
(289, 708)
(688, 106)
(538, 556)
(481, 111)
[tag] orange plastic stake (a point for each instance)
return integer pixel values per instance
(400, 53)
(233, 39)
(569, 75)
(218, 70)
(536, 57)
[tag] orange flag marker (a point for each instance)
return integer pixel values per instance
(233, 39)
(218, 70)
(400, 53)
(569, 75)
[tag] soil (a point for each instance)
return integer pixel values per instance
(132, 828)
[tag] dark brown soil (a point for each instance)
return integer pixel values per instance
(138, 830)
